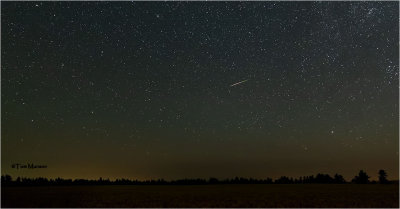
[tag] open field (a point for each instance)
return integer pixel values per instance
(291, 195)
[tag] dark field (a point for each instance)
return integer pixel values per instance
(297, 195)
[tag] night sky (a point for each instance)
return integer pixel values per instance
(199, 89)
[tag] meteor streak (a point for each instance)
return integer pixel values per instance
(239, 82)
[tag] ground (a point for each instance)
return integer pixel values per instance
(295, 195)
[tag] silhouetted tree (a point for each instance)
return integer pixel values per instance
(373, 182)
(323, 179)
(362, 178)
(213, 181)
(284, 180)
(382, 177)
(6, 180)
(338, 179)
(266, 181)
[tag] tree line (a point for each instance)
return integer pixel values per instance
(361, 178)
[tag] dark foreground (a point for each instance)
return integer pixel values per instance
(291, 195)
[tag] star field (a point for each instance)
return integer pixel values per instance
(144, 89)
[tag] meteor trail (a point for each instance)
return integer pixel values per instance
(239, 82)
